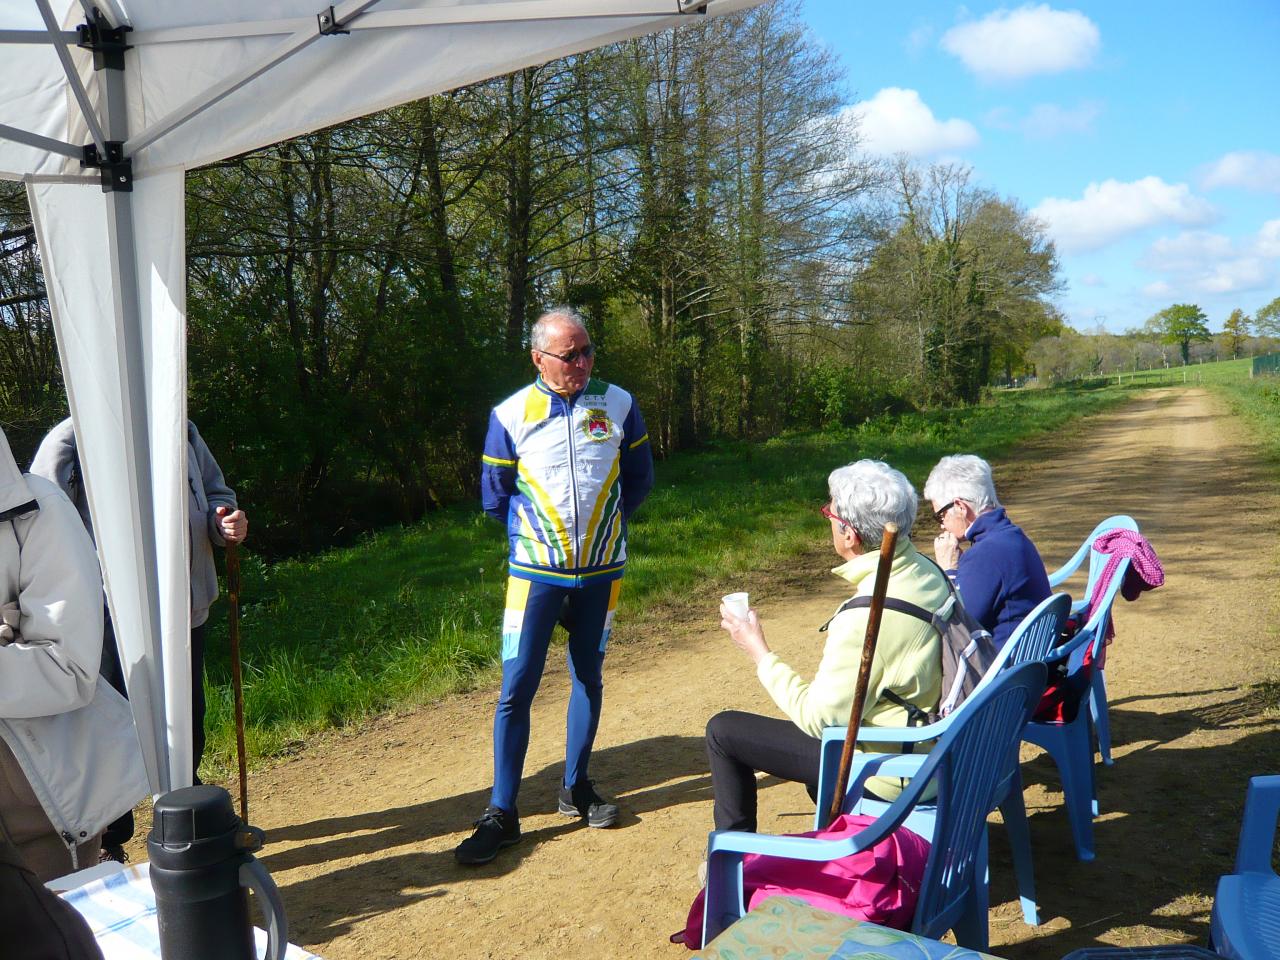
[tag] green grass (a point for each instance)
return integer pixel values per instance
(1196, 374)
(411, 614)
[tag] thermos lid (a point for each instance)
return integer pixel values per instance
(193, 814)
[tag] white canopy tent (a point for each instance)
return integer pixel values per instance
(104, 105)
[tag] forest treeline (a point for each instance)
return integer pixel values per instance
(359, 298)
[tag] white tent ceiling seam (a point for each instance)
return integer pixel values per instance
(142, 98)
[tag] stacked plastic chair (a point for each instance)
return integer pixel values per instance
(970, 769)
(1070, 742)
(1097, 563)
(1030, 642)
(1246, 908)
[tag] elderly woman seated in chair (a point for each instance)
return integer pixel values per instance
(1000, 577)
(906, 668)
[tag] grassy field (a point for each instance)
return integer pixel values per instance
(412, 614)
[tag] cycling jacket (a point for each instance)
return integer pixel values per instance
(565, 475)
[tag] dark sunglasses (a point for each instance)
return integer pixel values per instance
(573, 356)
(942, 511)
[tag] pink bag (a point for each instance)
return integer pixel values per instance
(879, 885)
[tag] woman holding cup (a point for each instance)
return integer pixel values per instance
(865, 496)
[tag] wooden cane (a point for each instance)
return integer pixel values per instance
(864, 670)
(233, 627)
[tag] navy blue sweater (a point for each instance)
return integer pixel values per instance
(1000, 577)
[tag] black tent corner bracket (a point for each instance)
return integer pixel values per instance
(116, 169)
(327, 22)
(106, 42)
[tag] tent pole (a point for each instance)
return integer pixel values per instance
(43, 143)
(73, 77)
(131, 360)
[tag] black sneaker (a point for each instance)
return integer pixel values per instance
(494, 830)
(583, 802)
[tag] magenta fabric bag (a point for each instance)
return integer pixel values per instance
(879, 885)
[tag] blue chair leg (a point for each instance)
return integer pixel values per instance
(1098, 712)
(1069, 746)
(970, 927)
(1014, 812)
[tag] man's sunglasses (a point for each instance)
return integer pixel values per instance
(573, 356)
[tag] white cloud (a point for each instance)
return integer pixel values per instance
(898, 121)
(1247, 169)
(1158, 290)
(1048, 120)
(1011, 44)
(1110, 210)
(1211, 263)
(1268, 241)
(1092, 280)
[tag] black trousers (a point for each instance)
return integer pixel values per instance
(739, 744)
(197, 700)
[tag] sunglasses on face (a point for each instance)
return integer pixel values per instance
(942, 511)
(573, 356)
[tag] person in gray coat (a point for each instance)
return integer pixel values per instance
(69, 756)
(214, 518)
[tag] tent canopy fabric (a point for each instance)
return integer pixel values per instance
(185, 85)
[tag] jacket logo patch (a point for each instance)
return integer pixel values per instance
(597, 425)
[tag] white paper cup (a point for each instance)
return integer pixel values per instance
(737, 604)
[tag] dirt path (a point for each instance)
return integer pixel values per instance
(362, 826)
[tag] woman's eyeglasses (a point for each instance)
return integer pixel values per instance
(573, 356)
(827, 512)
(942, 511)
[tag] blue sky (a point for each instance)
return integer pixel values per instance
(1145, 135)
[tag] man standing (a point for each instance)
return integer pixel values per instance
(566, 462)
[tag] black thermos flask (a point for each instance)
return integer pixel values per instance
(202, 867)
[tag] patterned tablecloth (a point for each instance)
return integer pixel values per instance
(787, 927)
(121, 910)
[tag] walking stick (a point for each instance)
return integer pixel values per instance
(233, 627)
(864, 670)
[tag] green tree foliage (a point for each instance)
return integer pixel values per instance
(1182, 324)
(358, 298)
(1235, 330)
(1267, 320)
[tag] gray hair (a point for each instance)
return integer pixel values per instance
(868, 494)
(962, 477)
(556, 316)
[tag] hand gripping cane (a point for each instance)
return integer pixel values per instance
(887, 544)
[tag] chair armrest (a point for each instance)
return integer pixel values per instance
(1071, 566)
(1258, 829)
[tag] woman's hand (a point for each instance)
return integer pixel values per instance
(946, 550)
(746, 632)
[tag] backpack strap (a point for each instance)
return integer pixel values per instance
(890, 603)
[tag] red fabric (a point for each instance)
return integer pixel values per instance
(880, 885)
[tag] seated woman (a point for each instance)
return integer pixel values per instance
(1000, 577)
(864, 497)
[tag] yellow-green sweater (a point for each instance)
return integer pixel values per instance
(908, 658)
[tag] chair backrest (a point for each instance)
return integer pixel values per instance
(1032, 639)
(970, 766)
(1098, 561)
(1258, 829)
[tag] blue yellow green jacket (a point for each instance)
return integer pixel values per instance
(565, 475)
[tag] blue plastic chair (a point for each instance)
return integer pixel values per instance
(1246, 908)
(1070, 743)
(969, 767)
(1031, 641)
(1097, 562)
